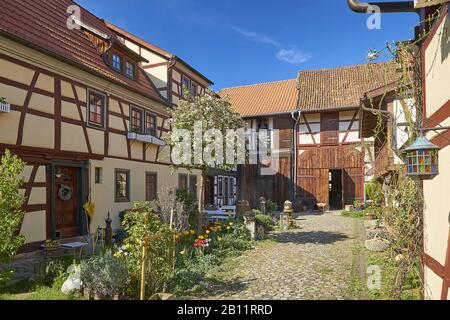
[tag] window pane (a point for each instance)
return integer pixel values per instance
(96, 109)
(117, 62)
(186, 84)
(136, 120)
(98, 175)
(220, 187)
(150, 124)
(129, 70)
(151, 186)
(122, 186)
(182, 181)
(193, 90)
(193, 184)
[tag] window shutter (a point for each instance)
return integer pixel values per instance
(216, 190)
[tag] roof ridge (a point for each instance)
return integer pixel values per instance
(347, 66)
(256, 84)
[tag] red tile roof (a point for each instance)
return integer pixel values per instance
(263, 98)
(164, 53)
(43, 23)
(342, 87)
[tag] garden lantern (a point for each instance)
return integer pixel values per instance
(422, 160)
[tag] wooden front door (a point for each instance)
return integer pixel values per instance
(66, 202)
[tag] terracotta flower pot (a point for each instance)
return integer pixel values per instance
(87, 293)
(98, 296)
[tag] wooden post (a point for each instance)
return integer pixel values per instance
(143, 265)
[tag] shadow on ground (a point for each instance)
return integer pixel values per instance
(314, 237)
(218, 288)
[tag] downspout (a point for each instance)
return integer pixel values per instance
(385, 7)
(295, 147)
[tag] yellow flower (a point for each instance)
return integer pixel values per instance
(219, 238)
(186, 233)
(192, 232)
(117, 254)
(231, 223)
(228, 228)
(208, 232)
(182, 253)
(128, 246)
(201, 237)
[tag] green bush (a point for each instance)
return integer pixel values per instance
(104, 274)
(11, 214)
(141, 222)
(190, 203)
(353, 214)
(270, 206)
(358, 205)
(375, 193)
(266, 221)
(49, 271)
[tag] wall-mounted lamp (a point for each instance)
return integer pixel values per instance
(422, 159)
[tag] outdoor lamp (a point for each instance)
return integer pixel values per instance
(422, 159)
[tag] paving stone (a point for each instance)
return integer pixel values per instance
(313, 262)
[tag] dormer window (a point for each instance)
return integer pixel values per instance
(130, 69)
(116, 62)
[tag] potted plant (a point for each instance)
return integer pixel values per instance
(104, 277)
(321, 207)
(51, 245)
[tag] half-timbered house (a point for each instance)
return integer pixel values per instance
(317, 116)
(173, 76)
(79, 108)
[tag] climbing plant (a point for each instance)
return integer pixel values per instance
(402, 203)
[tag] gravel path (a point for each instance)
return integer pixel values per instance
(316, 262)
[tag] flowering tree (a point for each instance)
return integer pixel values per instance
(11, 214)
(202, 122)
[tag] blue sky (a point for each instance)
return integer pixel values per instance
(242, 42)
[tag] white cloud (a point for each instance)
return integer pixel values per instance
(257, 37)
(293, 56)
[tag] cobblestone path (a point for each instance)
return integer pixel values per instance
(317, 261)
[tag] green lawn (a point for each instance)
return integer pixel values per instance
(26, 290)
(388, 275)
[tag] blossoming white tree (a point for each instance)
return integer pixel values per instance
(201, 123)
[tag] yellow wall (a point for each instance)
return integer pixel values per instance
(437, 68)
(436, 191)
(103, 194)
